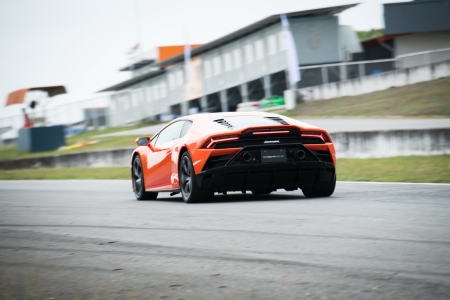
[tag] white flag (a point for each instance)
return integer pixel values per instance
(291, 52)
(133, 49)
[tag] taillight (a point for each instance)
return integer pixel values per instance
(213, 141)
(271, 132)
(319, 135)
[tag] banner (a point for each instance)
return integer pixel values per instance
(291, 53)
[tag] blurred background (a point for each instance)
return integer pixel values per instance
(80, 66)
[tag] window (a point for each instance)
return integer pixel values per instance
(170, 133)
(125, 102)
(155, 92)
(171, 78)
(227, 61)
(134, 99)
(187, 125)
(154, 139)
(148, 94)
(259, 50)
(272, 44)
(207, 69)
(236, 58)
(163, 88)
(217, 65)
(248, 53)
(281, 41)
(179, 76)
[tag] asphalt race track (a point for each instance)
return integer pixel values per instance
(92, 240)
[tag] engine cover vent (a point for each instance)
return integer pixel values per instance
(278, 120)
(223, 122)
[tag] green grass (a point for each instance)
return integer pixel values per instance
(11, 152)
(370, 34)
(395, 169)
(426, 99)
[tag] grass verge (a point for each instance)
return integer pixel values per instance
(113, 142)
(395, 169)
(426, 99)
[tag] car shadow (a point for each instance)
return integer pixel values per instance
(239, 197)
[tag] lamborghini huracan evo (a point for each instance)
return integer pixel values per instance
(201, 154)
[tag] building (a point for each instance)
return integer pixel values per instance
(248, 64)
(413, 27)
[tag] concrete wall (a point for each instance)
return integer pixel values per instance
(375, 144)
(424, 41)
(378, 82)
(348, 145)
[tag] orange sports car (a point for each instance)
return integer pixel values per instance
(199, 155)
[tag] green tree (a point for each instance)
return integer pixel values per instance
(365, 35)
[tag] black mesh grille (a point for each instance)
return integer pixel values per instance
(323, 155)
(278, 120)
(217, 161)
(224, 123)
(243, 143)
(273, 179)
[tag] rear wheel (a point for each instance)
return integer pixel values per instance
(320, 189)
(137, 177)
(190, 191)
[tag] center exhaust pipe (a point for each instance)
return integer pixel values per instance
(247, 156)
(300, 154)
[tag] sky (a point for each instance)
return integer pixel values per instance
(82, 44)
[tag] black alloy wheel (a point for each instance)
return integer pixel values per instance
(190, 191)
(137, 177)
(185, 177)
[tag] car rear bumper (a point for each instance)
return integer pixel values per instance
(263, 176)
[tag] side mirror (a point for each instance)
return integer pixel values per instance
(142, 141)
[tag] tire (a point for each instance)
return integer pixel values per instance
(320, 189)
(261, 192)
(190, 191)
(137, 177)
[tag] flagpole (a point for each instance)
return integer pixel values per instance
(138, 27)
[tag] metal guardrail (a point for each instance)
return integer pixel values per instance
(422, 58)
(328, 73)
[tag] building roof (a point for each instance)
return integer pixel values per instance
(326, 11)
(138, 65)
(134, 80)
(18, 96)
(376, 40)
